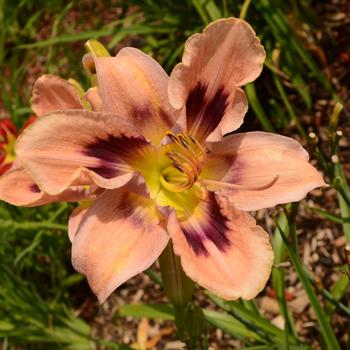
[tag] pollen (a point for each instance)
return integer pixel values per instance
(187, 157)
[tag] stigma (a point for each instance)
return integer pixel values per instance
(187, 157)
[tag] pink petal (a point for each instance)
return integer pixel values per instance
(259, 159)
(222, 249)
(204, 86)
(17, 188)
(134, 86)
(118, 237)
(52, 93)
(75, 220)
(94, 98)
(80, 147)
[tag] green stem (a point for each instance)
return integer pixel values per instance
(29, 225)
(179, 288)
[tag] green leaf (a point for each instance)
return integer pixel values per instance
(230, 325)
(240, 311)
(257, 108)
(343, 194)
(325, 327)
(326, 214)
(278, 278)
(157, 311)
(221, 320)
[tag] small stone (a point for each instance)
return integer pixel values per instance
(299, 304)
(278, 322)
(314, 257)
(175, 345)
(270, 305)
(334, 159)
(312, 135)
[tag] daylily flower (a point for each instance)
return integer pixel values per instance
(50, 93)
(157, 148)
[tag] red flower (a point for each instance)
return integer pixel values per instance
(8, 135)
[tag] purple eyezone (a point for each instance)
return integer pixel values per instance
(143, 114)
(34, 188)
(203, 114)
(112, 152)
(166, 117)
(124, 207)
(214, 229)
(195, 241)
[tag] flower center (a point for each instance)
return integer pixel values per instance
(187, 158)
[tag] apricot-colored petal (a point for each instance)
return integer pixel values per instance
(134, 86)
(238, 110)
(117, 238)
(17, 188)
(74, 221)
(222, 249)
(94, 98)
(259, 159)
(80, 147)
(204, 86)
(52, 93)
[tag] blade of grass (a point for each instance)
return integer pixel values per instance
(330, 297)
(325, 327)
(251, 305)
(343, 194)
(257, 108)
(278, 278)
(288, 106)
(339, 288)
(329, 216)
(31, 225)
(283, 33)
(166, 312)
(154, 276)
(230, 325)
(96, 34)
(339, 180)
(201, 11)
(207, 10)
(250, 319)
(157, 311)
(244, 9)
(54, 32)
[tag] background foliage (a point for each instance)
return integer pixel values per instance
(43, 302)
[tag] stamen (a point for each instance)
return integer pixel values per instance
(240, 187)
(187, 156)
(183, 141)
(172, 137)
